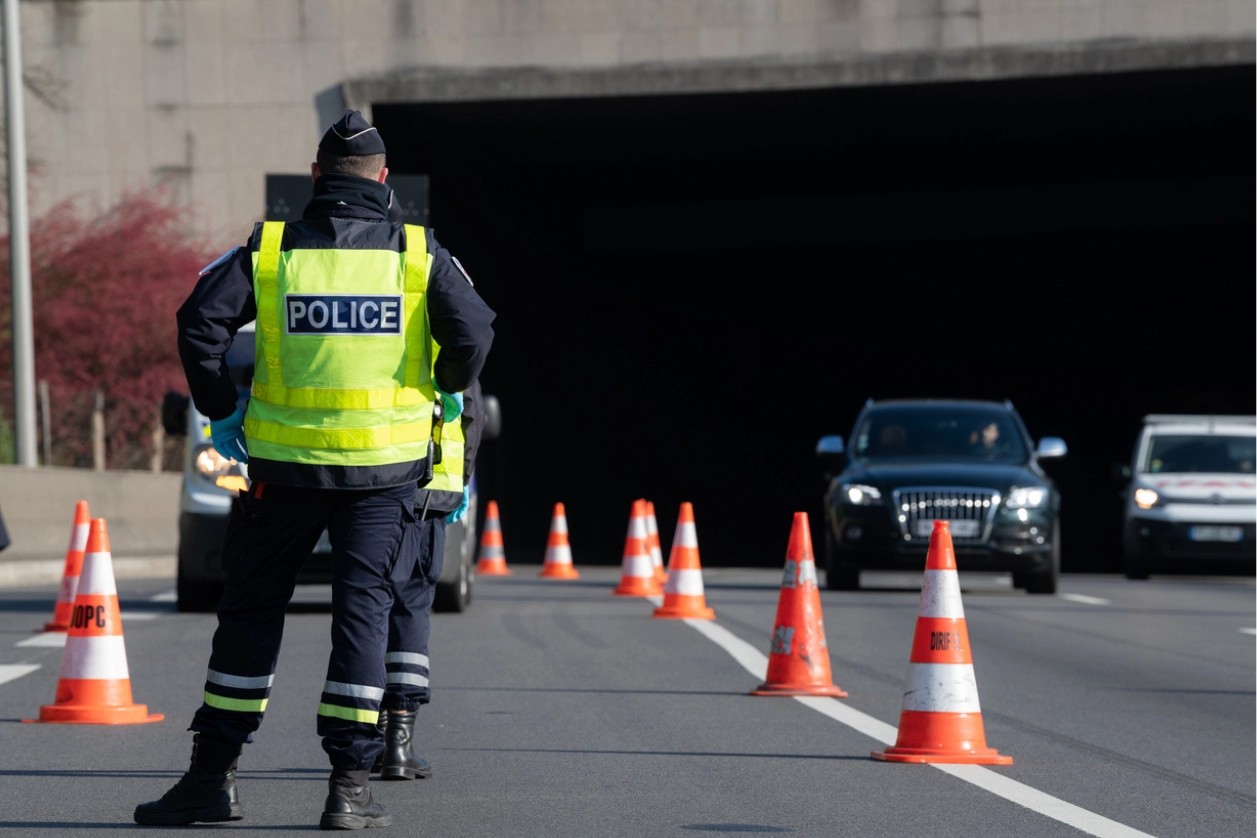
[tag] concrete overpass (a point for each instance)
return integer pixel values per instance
(205, 97)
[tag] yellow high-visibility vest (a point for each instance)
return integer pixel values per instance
(448, 474)
(343, 370)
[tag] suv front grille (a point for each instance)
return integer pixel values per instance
(969, 512)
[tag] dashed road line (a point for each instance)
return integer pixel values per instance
(1087, 600)
(13, 671)
(48, 639)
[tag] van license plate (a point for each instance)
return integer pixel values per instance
(959, 528)
(1229, 534)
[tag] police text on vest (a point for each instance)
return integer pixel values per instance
(343, 314)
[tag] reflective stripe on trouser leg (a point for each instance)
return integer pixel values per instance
(367, 532)
(409, 624)
(266, 541)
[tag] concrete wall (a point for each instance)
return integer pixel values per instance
(141, 512)
(205, 97)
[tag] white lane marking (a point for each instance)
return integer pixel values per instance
(756, 663)
(1087, 600)
(137, 615)
(12, 671)
(48, 638)
(1037, 801)
(168, 596)
(1248, 631)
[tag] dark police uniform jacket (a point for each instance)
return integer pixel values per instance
(223, 301)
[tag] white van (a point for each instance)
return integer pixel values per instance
(1191, 493)
(210, 482)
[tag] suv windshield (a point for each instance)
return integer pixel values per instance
(949, 434)
(1184, 453)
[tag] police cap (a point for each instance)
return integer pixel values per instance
(352, 136)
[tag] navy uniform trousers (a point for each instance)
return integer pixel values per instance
(271, 531)
(409, 623)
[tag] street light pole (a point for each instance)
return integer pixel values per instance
(19, 239)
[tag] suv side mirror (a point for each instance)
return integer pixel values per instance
(1051, 446)
(492, 417)
(174, 414)
(831, 452)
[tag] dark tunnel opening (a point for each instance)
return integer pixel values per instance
(692, 289)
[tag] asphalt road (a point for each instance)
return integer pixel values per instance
(563, 710)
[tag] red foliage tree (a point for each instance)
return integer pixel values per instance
(104, 294)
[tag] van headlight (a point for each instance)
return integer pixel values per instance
(1146, 498)
(219, 471)
(1026, 497)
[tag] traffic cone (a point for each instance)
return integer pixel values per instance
(95, 684)
(683, 596)
(653, 545)
(491, 560)
(798, 663)
(941, 720)
(73, 568)
(558, 558)
(637, 575)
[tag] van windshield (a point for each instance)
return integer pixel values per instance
(1187, 453)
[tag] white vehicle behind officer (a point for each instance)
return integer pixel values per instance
(1192, 493)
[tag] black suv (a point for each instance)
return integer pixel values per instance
(969, 462)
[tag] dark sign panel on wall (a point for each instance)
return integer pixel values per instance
(287, 196)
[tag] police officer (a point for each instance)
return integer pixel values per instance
(335, 433)
(443, 500)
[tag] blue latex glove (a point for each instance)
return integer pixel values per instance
(451, 404)
(457, 514)
(227, 435)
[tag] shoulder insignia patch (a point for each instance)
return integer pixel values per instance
(218, 261)
(462, 271)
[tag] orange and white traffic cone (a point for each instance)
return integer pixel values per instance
(637, 575)
(73, 568)
(653, 545)
(558, 559)
(941, 720)
(798, 663)
(95, 683)
(491, 560)
(683, 596)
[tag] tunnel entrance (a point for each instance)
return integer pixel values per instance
(692, 289)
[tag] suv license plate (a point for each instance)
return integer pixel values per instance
(959, 528)
(1230, 534)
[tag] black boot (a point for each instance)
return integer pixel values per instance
(205, 793)
(349, 803)
(399, 761)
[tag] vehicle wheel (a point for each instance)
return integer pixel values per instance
(839, 576)
(454, 596)
(1044, 581)
(200, 597)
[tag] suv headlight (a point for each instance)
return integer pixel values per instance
(1146, 498)
(218, 471)
(1026, 497)
(861, 494)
